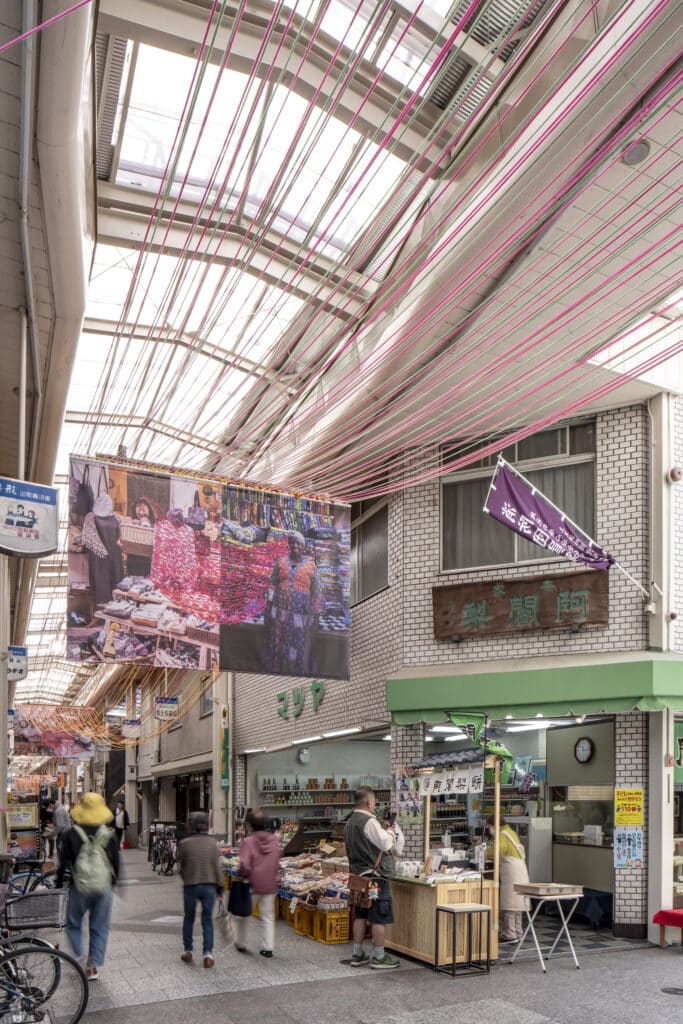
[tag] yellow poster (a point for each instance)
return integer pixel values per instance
(628, 806)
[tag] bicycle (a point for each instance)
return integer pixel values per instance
(46, 985)
(163, 854)
(164, 851)
(32, 878)
(32, 970)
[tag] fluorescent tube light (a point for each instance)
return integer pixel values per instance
(256, 750)
(448, 728)
(340, 732)
(387, 737)
(307, 739)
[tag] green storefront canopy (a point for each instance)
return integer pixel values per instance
(650, 683)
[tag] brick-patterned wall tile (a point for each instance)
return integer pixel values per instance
(677, 531)
(632, 767)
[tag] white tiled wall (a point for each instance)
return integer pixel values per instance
(631, 764)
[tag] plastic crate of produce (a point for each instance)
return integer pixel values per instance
(331, 926)
(304, 916)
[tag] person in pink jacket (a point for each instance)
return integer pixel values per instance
(260, 855)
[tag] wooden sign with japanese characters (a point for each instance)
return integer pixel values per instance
(566, 601)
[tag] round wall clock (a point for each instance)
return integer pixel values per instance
(584, 748)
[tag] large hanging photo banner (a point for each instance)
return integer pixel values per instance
(56, 731)
(185, 573)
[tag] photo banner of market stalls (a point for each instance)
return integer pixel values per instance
(60, 731)
(180, 572)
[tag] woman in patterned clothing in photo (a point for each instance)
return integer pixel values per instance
(294, 605)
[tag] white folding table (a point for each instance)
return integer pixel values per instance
(544, 893)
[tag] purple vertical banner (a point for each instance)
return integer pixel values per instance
(517, 504)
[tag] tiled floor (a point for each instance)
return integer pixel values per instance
(144, 981)
(584, 939)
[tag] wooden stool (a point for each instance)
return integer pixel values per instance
(467, 910)
(668, 919)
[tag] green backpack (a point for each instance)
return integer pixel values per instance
(92, 871)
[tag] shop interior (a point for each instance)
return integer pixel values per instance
(557, 793)
(312, 781)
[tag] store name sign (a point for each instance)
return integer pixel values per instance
(28, 518)
(294, 700)
(565, 601)
(166, 708)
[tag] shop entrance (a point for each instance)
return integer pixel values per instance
(192, 793)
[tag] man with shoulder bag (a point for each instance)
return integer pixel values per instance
(370, 848)
(90, 854)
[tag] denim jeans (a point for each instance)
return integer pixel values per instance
(206, 895)
(98, 907)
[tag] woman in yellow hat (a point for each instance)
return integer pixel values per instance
(90, 854)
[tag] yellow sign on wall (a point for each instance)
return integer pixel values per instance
(628, 806)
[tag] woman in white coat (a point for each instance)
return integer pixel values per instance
(513, 871)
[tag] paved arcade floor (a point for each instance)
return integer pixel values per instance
(306, 982)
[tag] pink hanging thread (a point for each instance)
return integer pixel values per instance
(38, 28)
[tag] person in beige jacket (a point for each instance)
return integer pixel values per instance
(200, 868)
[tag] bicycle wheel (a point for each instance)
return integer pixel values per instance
(28, 943)
(156, 855)
(42, 985)
(167, 860)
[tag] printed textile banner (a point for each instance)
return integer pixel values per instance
(471, 724)
(26, 785)
(199, 574)
(453, 781)
(56, 731)
(516, 503)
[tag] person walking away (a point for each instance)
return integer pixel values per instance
(200, 867)
(62, 823)
(90, 854)
(121, 821)
(370, 848)
(513, 871)
(259, 855)
(47, 830)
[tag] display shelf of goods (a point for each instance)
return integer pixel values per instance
(286, 791)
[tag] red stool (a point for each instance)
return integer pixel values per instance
(668, 919)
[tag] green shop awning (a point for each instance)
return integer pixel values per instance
(523, 689)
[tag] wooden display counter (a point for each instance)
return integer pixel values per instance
(415, 913)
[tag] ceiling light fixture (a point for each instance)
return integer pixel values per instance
(256, 750)
(340, 732)
(448, 728)
(636, 153)
(307, 739)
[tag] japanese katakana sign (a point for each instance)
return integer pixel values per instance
(291, 703)
(566, 601)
